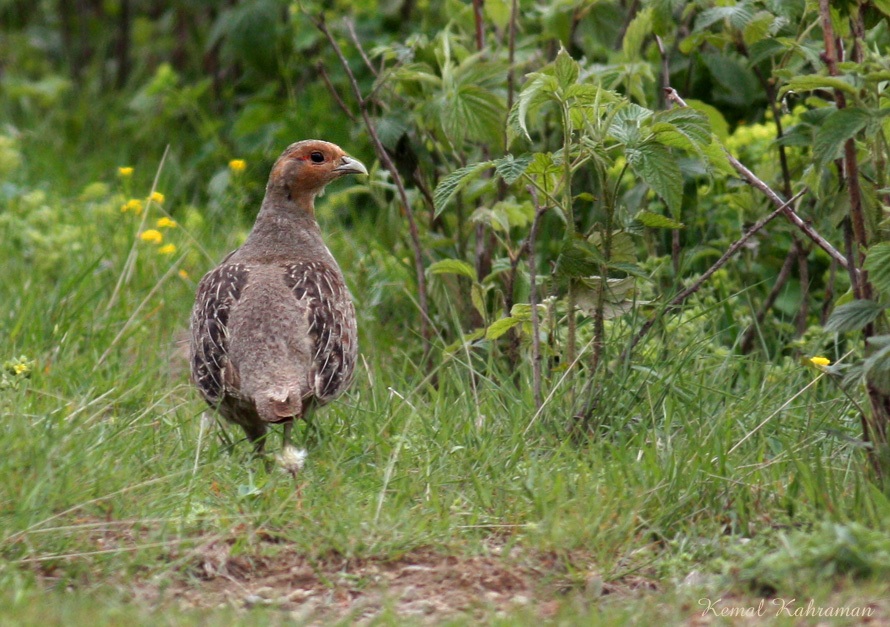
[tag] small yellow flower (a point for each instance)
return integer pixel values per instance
(165, 223)
(167, 249)
(183, 275)
(820, 362)
(125, 172)
(21, 368)
(151, 235)
(157, 197)
(133, 205)
(237, 165)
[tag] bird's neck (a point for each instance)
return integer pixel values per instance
(283, 228)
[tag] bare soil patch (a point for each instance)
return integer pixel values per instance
(423, 585)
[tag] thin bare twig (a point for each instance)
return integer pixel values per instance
(692, 289)
(333, 91)
(350, 26)
(672, 96)
(386, 161)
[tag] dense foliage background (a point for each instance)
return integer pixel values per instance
(563, 274)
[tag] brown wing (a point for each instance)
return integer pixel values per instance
(218, 291)
(331, 324)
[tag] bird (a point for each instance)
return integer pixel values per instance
(273, 333)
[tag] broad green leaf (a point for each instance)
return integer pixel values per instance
(578, 258)
(456, 181)
(658, 221)
(812, 82)
(839, 126)
(565, 69)
(738, 16)
(478, 299)
(763, 24)
(637, 31)
(539, 89)
(660, 171)
(453, 266)
(472, 112)
(878, 265)
(692, 123)
(718, 123)
(511, 168)
(497, 328)
(853, 316)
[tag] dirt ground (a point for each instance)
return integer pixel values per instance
(423, 585)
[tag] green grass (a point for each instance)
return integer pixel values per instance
(696, 461)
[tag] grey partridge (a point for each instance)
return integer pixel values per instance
(273, 331)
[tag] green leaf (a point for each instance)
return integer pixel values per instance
(578, 258)
(877, 366)
(453, 266)
(738, 16)
(565, 69)
(813, 82)
(454, 182)
(511, 168)
(658, 221)
(692, 123)
(538, 90)
(878, 265)
(637, 31)
(659, 169)
(717, 122)
(853, 316)
(497, 328)
(471, 112)
(838, 126)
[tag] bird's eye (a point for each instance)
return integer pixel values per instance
(317, 157)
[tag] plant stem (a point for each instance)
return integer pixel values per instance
(425, 322)
(533, 298)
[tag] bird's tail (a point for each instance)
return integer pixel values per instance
(280, 406)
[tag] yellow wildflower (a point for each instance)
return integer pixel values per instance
(125, 172)
(133, 205)
(165, 223)
(183, 274)
(157, 197)
(820, 362)
(21, 368)
(237, 165)
(151, 235)
(167, 249)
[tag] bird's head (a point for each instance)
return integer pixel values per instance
(305, 168)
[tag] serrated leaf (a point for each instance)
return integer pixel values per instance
(511, 168)
(717, 122)
(658, 221)
(878, 265)
(813, 82)
(454, 182)
(578, 258)
(497, 328)
(637, 31)
(453, 266)
(853, 316)
(738, 15)
(660, 171)
(539, 89)
(837, 127)
(471, 112)
(692, 123)
(566, 69)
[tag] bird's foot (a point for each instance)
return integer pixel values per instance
(291, 459)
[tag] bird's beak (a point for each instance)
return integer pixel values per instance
(348, 165)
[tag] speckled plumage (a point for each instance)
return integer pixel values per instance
(273, 331)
